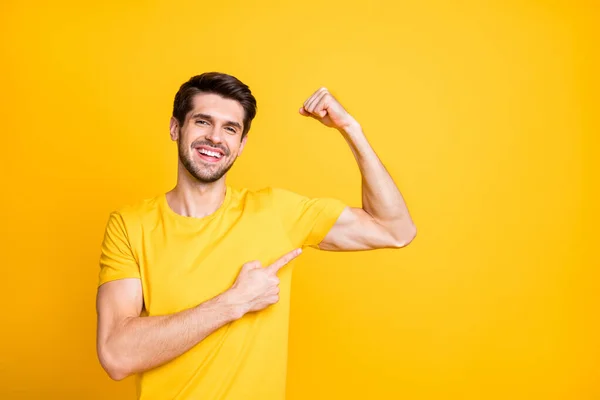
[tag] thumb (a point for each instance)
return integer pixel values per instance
(251, 265)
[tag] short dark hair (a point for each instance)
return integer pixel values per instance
(225, 85)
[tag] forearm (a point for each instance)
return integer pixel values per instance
(143, 343)
(381, 198)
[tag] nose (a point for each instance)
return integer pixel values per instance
(215, 135)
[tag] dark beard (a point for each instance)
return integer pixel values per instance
(204, 175)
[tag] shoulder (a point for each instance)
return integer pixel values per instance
(277, 195)
(268, 198)
(268, 195)
(251, 199)
(136, 211)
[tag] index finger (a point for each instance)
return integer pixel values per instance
(279, 263)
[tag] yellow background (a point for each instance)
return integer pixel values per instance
(482, 111)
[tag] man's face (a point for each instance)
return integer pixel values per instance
(210, 139)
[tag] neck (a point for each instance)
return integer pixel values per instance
(192, 198)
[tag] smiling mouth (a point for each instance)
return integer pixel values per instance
(209, 155)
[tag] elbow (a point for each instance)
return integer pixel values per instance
(116, 374)
(404, 237)
(113, 365)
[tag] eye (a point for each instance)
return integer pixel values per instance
(230, 129)
(201, 121)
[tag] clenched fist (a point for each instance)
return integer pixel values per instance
(257, 287)
(323, 107)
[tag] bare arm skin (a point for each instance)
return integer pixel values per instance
(128, 343)
(384, 220)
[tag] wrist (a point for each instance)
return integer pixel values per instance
(235, 304)
(352, 129)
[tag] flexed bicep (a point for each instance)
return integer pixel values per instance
(356, 230)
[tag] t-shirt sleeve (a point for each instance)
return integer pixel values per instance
(116, 257)
(306, 220)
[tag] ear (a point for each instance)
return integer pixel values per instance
(174, 129)
(242, 145)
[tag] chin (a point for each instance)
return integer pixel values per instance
(207, 178)
(206, 172)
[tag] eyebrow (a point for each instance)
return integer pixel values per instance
(210, 118)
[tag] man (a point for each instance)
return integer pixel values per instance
(194, 294)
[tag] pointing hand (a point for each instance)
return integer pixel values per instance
(257, 287)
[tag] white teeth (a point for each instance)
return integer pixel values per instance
(210, 153)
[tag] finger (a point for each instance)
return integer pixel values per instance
(315, 100)
(307, 114)
(319, 108)
(304, 112)
(274, 280)
(281, 262)
(312, 96)
(278, 264)
(272, 292)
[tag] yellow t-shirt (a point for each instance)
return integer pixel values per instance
(184, 261)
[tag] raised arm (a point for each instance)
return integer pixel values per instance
(384, 220)
(128, 343)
